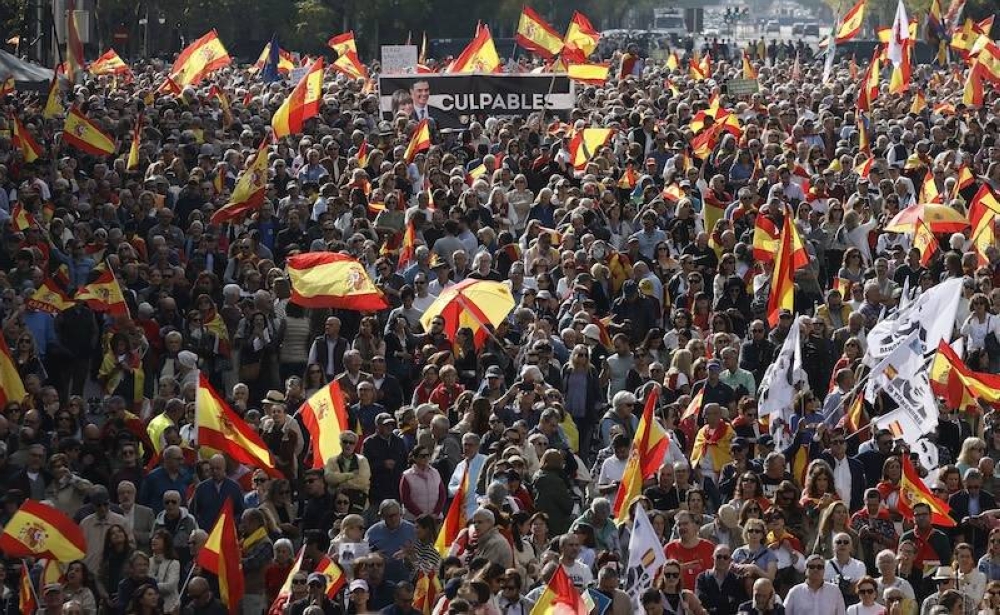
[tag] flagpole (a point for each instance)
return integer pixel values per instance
(187, 580)
(34, 592)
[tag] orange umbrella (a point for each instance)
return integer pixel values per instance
(938, 218)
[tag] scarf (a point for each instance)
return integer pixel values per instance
(258, 535)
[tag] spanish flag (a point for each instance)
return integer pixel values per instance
(673, 193)
(281, 600)
(333, 280)
(109, 64)
(85, 136)
(591, 74)
(223, 430)
(766, 239)
(350, 64)
(74, 48)
(581, 35)
(855, 416)
(249, 191)
(408, 247)
(205, 55)
(22, 139)
(334, 576)
(132, 164)
(782, 277)
(912, 490)
(919, 102)
(227, 111)
(972, 93)
(749, 72)
(49, 298)
(21, 218)
(924, 240)
(585, 144)
(362, 155)
(301, 104)
(629, 179)
(480, 56)
(221, 556)
(285, 62)
(989, 59)
(455, 520)
(560, 597)
(961, 387)
(648, 449)
(325, 417)
(536, 35)
(426, 589)
(342, 43)
(26, 601)
(983, 211)
(673, 62)
(851, 24)
(53, 104)
(420, 141)
(104, 294)
(965, 179)
(928, 189)
(37, 530)
(11, 386)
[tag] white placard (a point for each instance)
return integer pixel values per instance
(399, 59)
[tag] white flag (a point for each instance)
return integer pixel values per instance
(903, 375)
(777, 387)
(645, 558)
(899, 35)
(932, 314)
(831, 51)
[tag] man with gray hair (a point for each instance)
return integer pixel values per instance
(390, 536)
(490, 543)
(815, 596)
(472, 462)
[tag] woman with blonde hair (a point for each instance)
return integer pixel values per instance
(973, 449)
(835, 519)
(754, 560)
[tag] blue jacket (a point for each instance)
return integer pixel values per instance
(206, 504)
(159, 482)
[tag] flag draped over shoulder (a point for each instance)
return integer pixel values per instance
(221, 556)
(325, 417)
(38, 530)
(223, 430)
(332, 280)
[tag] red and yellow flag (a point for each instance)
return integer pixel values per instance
(249, 191)
(221, 555)
(912, 490)
(49, 298)
(455, 520)
(22, 139)
(560, 597)
(285, 62)
(21, 218)
(782, 295)
(426, 590)
(334, 576)
(854, 417)
(928, 190)
(972, 93)
(38, 530)
(648, 450)
(585, 144)
(109, 64)
(333, 280)
(26, 601)
(766, 239)
(983, 211)
(74, 48)
(227, 112)
(925, 241)
(342, 43)
(749, 72)
(629, 179)
(11, 385)
(919, 102)
(536, 35)
(581, 35)
(420, 141)
(301, 104)
(53, 102)
(965, 179)
(591, 74)
(362, 155)
(104, 294)
(351, 65)
(281, 600)
(694, 407)
(199, 59)
(85, 135)
(223, 430)
(132, 164)
(961, 387)
(851, 24)
(408, 247)
(480, 56)
(325, 417)
(673, 61)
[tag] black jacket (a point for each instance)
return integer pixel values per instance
(720, 599)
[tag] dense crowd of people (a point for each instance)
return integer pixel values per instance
(619, 290)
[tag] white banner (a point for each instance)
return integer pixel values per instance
(932, 314)
(777, 388)
(903, 375)
(645, 558)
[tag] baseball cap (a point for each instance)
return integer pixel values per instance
(358, 584)
(384, 418)
(316, 577)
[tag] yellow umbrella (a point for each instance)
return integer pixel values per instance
(473, 304)
(938, 218)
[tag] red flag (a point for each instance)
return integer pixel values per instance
(221, 556)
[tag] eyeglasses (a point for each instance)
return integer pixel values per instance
(754, 531)
(348, 442)
(672, 575)
(843, 542)
(171, 502)
(866, 591)
(722, 556)
(298, 581)
(815, 566)
(343, 502)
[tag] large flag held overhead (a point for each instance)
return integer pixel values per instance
(348, 63)
(912, 490)
(38, 530)
(536, 35)
(49, 298)
(104, 294)
(199, 59)
(221, 556)
(333, 280)
(961, 387)
(22, 139)
(109, 64)
(343, 42)
(85, 135)
(301, 104)
(11, 385)
(648, 450)
(273, 62)
(560, 597)
(591, 74)
(983, 212)
(782, 295)
(480, 56)
(132, 164)
(778, 386)
(250, 190)
(933, 313)
(903, 376)
(581, 35)
(851, 24)
(222, 429)
(585, 144)
(53, 102)
(325, 417)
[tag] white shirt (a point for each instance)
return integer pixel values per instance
(842, 479)
(612, 471)
(803, 600)
(579, 573)
(854, 569)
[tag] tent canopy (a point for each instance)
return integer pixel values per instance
(27, 75)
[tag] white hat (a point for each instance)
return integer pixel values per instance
(592, 332)
(187, 359)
